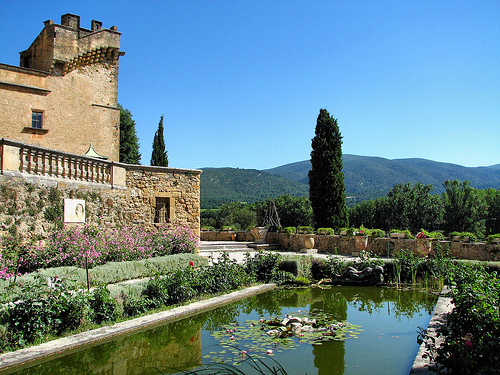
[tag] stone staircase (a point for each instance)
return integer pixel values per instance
(220, 246)
(235, 250)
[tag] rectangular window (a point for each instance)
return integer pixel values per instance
(162, 210)
(36, 119)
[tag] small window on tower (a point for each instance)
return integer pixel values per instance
(36, 119)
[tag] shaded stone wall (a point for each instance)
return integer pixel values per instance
(32, 206)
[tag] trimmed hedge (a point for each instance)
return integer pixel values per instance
(109, 273)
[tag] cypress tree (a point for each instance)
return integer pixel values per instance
(326, 180)
(159, 155)
(129, 143)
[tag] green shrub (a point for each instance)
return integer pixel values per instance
(179, 286)
(133, 306)
(298, 265)
(327, 231)
(262, 265)
(41, 311)
(305, 230)
(472, 330)
(288, 230)
(320, 269)
(223, 276)
(406, 232)
(492, 237)
(303, 281)
(103, 308)
(377, 233)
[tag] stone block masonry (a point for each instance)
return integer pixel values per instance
(382, 247)
(31, 205)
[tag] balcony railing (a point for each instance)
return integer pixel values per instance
(24, 159)
(53, 164)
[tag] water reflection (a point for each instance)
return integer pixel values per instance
(389, 319)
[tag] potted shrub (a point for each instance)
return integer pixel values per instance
(360, 239)
(325, 231)
(377, 233)
(288, 230)
(424, 242)
(397, 233)
(493, 238)
(436, 235)
(455, 236)
(467, 237)
(305, 230)
(361, 232)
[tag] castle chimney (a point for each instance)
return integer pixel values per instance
(96, 25)
(71, 20)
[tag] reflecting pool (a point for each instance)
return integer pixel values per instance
(378, 336)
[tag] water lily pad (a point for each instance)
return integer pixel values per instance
(250, 336)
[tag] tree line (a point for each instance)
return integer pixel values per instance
(460, 208)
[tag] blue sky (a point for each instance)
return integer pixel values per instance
(240, 83)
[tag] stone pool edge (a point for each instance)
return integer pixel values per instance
(58, 346)
(444, 305)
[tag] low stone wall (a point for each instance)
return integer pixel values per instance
(344, 245)
(225, 235)
(31, 206)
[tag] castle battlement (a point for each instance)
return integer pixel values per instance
(59, 49)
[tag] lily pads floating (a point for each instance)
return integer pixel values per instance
(261, 338)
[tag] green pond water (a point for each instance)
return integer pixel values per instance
(377, 335)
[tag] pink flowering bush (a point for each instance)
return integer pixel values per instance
(80, 245)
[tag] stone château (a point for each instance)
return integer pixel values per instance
(59, 132)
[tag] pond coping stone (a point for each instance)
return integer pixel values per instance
(61, 347)
(444, 305)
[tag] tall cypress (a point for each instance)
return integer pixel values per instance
(159, 156)
(326, 180)
(129, 143)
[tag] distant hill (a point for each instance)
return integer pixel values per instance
(366, 177)
(224, 185)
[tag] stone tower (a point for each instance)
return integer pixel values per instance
(64, 94)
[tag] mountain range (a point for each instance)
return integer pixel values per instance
(365, 177)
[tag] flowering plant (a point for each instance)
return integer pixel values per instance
(91, 246)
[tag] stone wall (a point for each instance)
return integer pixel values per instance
(32, 206)
(383, 247)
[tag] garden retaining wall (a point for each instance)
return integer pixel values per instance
(346, 245)
(31, 206)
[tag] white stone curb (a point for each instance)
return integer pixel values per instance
(64, 344)
(443, 307)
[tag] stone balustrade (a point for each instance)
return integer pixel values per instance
(20, 159)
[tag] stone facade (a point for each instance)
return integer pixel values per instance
(69, 76)
(31, 206)
(60, 101)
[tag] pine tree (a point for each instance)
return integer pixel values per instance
(129, 143)
(326, 180)
(159, 156)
